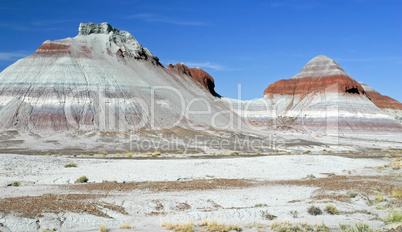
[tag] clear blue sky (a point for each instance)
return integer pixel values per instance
(254, 43)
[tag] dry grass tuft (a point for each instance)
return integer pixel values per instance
(298, 227)
(186, 227)
(103, 229)
(397, 193)
(126, 226)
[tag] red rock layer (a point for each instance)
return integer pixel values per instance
(198, 75)
(383, 102)
(50, 48)
(306, 85)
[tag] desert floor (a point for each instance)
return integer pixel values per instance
(158, 192)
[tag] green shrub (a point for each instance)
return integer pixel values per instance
(16, 183)
(394, 216)
(70, 165)
(331, 209)
(314, 210)
(307, 152)
(82, 179)
(352, 194)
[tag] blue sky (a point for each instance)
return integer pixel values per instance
(254, 43)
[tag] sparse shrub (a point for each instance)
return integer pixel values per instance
(179, 152)
(394, 216)
(234, 153)
(297, 227)
(129, 155)
(91, 154)
(16, 183)
(307, 152)
(379, 198)
(48, 154)
(126, 226)
(314, 210)
(148, 153)
(268, 216)
(82, 179)
(397, 193)
(213, 226)
(331, 209)
(70, 165)
(104, 153)
(294, 213)
(103, 229)
(156, 154)
(311, 176)
(260, 205)
(352, 194)
(187, 227)
(359, 227)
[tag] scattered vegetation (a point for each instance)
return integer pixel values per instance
(359, 227)
(213, 226)
(91, 154)
(307, 152)
(126, 226)
(352, 194)
(16, 183)
(314, 210)
(103, 229)
(268, 216)
(187, 227)
(331, 209)
(379, 198)
(260, 205)
(298, 227)
(129, 155)
(104, 153)
(294, 213)
(394, 216)
(155, 154)
(82, 179)
(70, 165)
(310, 176)
(397, 193)
(48, 154)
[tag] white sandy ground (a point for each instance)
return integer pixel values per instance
(41, 174)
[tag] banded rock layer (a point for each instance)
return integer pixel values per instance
(322, 97)
(101, 80)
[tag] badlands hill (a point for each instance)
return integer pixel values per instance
(323, 95)
(99, 89)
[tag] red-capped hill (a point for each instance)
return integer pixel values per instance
(381, 101)
(319, 73)
(197, 74)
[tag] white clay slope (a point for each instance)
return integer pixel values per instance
(102, 79)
